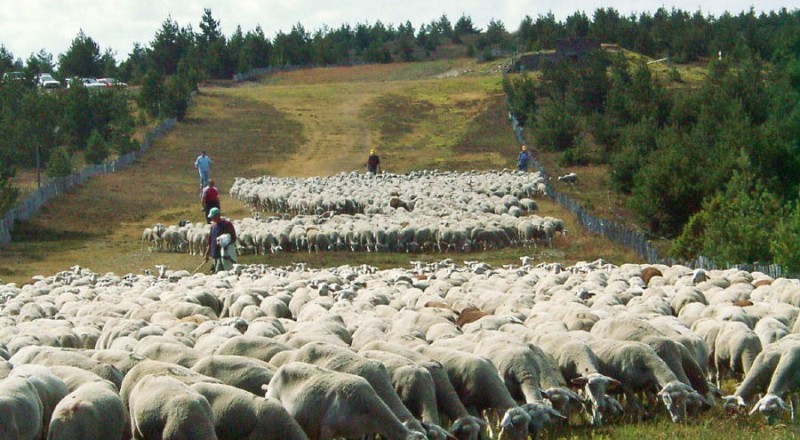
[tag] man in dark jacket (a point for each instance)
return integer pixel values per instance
(223, 254)
(373, 162)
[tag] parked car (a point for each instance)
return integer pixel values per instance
(46, 81)
(111, 82)
(13, 76)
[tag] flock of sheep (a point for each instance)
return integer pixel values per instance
(435, 351)
(416, 212)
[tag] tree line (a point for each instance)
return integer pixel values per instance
(711, 164)
(679, 153)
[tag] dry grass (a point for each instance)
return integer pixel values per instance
(301, 123)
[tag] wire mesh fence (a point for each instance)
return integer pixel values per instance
(30, 205)
(623, 235)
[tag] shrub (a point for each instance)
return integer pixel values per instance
(96, 149)
(556, 127)
(59, 163)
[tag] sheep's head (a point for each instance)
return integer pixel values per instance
(772, 406)
(514, 424)
(561, 399)
(596, 385)
(541, 414)
(467, 427)
(413, 434)
(674, 395)
(734, 405)
(436, 432)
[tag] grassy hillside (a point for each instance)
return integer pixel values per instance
(443, 114)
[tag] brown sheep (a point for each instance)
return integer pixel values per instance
(469, 315)
(648, 273)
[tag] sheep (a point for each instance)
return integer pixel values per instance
(164, 407)
(241, 372)
(784, 381)
(21, 410)
(252, 346)
(639, 369)
(735, 349)
(570, 178)
(760, 375)
(239, 415)
(50, 388)
(329, 404)
(413, 383)
(464, 425)
(770, 330)
(155, 368)
(52, 357)
(675, 355)
(346, 361)
(527, 371)
(92, 411)
(165, 349)
(480, 388)
(580, 367)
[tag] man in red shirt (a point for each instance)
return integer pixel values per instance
(209, 198)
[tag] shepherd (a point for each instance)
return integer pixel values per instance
(203, 165)
(373, 162)
(221, 242)
(523, 159)
(209, 199)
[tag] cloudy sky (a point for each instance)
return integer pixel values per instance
(28, 26)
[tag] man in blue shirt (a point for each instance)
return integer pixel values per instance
(523, 158)
(203, 165)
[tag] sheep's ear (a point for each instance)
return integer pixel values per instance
(613, 383)
(579, 381)
(555, 413)
(573, 395)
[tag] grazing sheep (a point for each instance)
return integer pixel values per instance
(528, 372)
(785, 380)
(413, 384)
(679, 359)
(20, 410)
(328, 404)
(50, 388)
(735, 349)
(48, 356)
(480, 388)
(770, 330)
(464, 425)
(241, 372)
(580, 367)
(346, 361)
(239, 415)
(93, 411)
(162, 407)
(639, 369)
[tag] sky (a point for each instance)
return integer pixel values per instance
(28, 26)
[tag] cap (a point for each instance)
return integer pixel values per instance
(371, 151)
(213, 212)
